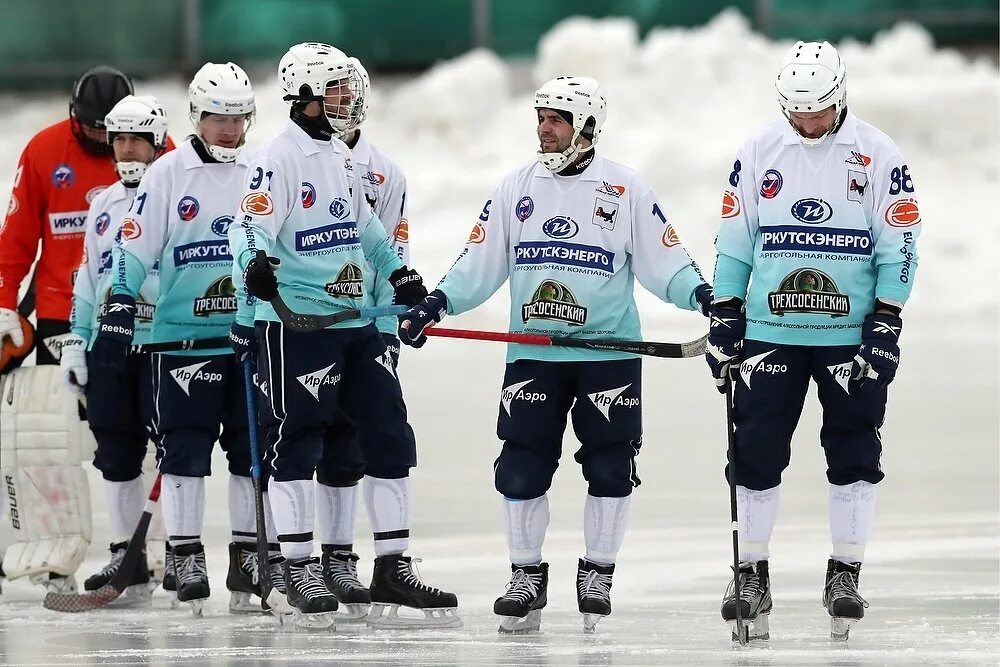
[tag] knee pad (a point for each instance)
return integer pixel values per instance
(521, 473)
(610, 469)
(186, 454)
(119, 456)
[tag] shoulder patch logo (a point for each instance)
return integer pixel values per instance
(257, 203)
(903, 213)
(730, 204)
(478, 234)
(670, 238)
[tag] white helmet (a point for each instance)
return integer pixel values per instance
(581, 97)
(308, 68)
(224, 90)
(812, 77)
(143, 116)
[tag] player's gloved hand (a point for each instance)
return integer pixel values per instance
(73, 363)
(408, 286)
(725, 338)
(878, 358)
(115, 332)
(10, 325)
(703, 295)
(259, 276)
(243, 340)
(413, 322)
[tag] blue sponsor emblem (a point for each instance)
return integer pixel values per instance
(329, 236)
(812, 211)
(524, 208)
(221, 225)
(560, 227)
(339, 208)
(63, 176)
(187, 208)
(770, 185)
(103, 220)
(308, 194)
(564, 254)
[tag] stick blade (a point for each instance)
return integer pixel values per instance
(73, 603)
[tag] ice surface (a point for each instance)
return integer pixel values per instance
(681, 101)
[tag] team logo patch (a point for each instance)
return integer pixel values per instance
(219, 298)
(93, 192)
(221, 225)
(102, 223)
(349, 282)
(808, 291)
(730, 204)
(517, 392)
(611, 190)
(308, 194)
(478, 234)
(605, 213)
(670, 238)
(554, 301)
(257, 203)
(401, 234)
(903, 213)
(63, 176)
(857, 183)
(339, 208)
(187, 208)
(130, 230)
(525, 207)
(859, 159)
(184, 375)
(770, 185)
(316, 380)
(603, 400)
(374, 178)
(812, 211)
(560, 227)
(13, 205)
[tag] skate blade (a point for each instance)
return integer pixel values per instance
(133, 597)
(590, 623)
(840, 628)
(197, 607)
(384, 615)
(241, 602)
(517, 625)
(320, 621)
(353, 612)
(754, 629)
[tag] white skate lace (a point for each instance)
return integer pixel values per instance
(408, 573)
(248, 563)
(308, 579)
(191, 569)
(841, 585)
(523, 586)
(278, 575)
(594, 584)
(116, 560)
(344, 571)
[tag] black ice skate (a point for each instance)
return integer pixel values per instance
(192, 575)
(138, 592)
(520, 608)
(313, 605)
(340, 572)
(169, 582)
(242, 578)
(593, 592)
(755, 602)
(842, 599)
(395, 584)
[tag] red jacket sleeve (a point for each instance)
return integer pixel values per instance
(22, 228)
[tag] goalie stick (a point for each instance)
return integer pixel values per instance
(694, 348)
(77, 602)
(304, 322)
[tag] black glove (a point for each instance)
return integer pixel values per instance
(242, 339)
(115, 332)
(725, 338)
(259, 276)
(413, 322)
(878, 358)
(408, 286)
(703, 295)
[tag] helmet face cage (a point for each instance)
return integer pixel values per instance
(308, 70)
(344, 117)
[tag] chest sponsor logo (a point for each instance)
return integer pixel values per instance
(903, 213)
(770, 185)
(349, 282)
(794, 237)
(316, 380)
(478, 234)
(187, 208)
(257, 203)
(808, 291)
(605, 213)
(328, 236)
(202, 251)
(564, 254)
(610, 190)
(401, 234)
(219, 298)
(525, 207)
(63, 176)
(857, 184)
(605, 400)
(307, 194)
(339, 208)
(65, 224)
(812, 211)
(560, 227)
(93, 192)
(185, 375)
(858, 158)
(220, 226)
(12, 205)
(102, 222)
(517, 392)
(129, 231)
(670, 238)
(730, 204)
(554, 301)
(758, 364)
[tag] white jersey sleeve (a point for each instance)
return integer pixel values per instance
(896, 224)
(85, 286)
(144, 231)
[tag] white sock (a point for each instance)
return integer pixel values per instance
(388, 505)
(183, 508)
(293, 505)
(852, 508)
(756, 513)
(242, 513)
(125, 505)
(604, 522)
(336, 513)
(272, 533)
(527, 521)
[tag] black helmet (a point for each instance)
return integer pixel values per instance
(95, 93)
